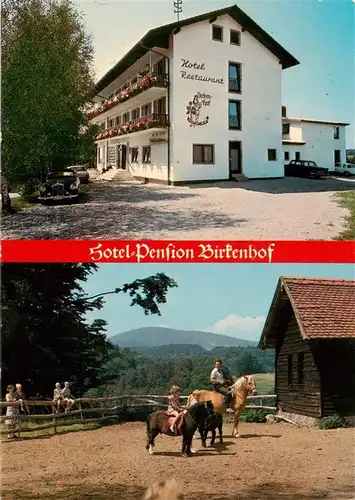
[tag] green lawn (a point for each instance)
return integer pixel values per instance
(347, 200)
(19, 204)
(265, 382)
(22, 202)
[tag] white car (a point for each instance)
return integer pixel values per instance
(345, 168)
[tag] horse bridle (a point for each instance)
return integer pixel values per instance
(210, 415)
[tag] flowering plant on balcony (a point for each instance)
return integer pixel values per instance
(136, 88)
(143, 123)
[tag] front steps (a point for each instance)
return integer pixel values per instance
(116, 176)
(124, 177)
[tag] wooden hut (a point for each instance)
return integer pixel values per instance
(311, 326)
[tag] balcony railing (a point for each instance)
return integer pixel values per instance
(150, 121)
(143, 83)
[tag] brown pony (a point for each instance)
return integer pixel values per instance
(242, 387)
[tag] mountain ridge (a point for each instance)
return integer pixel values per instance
(155, 336)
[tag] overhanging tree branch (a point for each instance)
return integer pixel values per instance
(146, 293)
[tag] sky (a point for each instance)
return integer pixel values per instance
(319, 33)
(229, 299)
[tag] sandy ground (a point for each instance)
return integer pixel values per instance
(288, 208)
(268, 462)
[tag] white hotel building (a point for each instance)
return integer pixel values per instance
(200, 100)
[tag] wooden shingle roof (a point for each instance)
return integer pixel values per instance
(323, 308)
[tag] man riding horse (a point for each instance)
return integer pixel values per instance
(221, 380)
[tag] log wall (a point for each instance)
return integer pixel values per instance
(294, 395)
(336, 361)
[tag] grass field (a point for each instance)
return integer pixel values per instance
(347, 200)
(265, 383)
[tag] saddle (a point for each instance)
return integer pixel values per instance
(179, 421)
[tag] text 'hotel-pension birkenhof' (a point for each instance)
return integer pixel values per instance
(201, 99)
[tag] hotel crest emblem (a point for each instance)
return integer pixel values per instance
(194, 107)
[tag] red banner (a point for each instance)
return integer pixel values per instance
(169, 251)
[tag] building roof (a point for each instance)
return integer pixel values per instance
(159, 37)
(323, 308)
(310, 120)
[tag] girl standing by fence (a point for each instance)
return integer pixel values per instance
(11, 411)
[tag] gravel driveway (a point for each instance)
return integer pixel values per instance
(269, 462)
(288, 208)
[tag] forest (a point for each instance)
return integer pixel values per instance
(155, 370)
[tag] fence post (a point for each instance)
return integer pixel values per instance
(81, 413)
(18, 427)
(54, 425)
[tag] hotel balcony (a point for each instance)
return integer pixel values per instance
(138, 85)
(153, 121)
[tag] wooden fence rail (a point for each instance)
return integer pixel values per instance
(85, 406)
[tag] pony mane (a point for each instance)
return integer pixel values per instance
(240, 382)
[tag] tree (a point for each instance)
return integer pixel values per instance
(45, 334)
(86, 145)
(5, 196)
(47, 76)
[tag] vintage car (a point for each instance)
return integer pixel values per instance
(59, 185)
(305, 168)
(345, 168)
(81, 172)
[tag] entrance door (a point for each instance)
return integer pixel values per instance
(118, 156)
(235, 158)
(124, 157)
(337, 156)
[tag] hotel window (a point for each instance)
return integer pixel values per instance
(146, 109)
(102, 125)
(125, 118)
(203, 154)
(118, 120)
(134, 155)
(297, 155)
(109, 123)
(271, 154)
(217, 33)
(146, 154)
(135, 114)
(336, 133)
(160, 106)
(234, 111)
(285, 128)
(234, 77)
(235, 37)
(286, 156)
